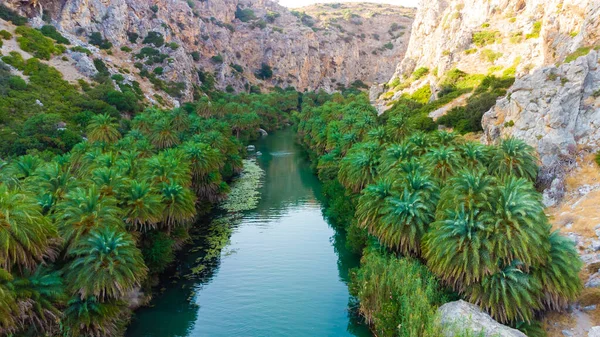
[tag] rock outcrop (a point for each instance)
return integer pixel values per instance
(460, 316)
(554, 109)
(321, 47)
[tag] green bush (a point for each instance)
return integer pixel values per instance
(420, 72)
(154, 8)
(271, 16)
(490, 55)
(265, 72)
(158, 70)
(6, 35)
(173, 45)
(80, 49)
(486, 37)
(389, 46)
(237, 68)
(8, 14)
(535, 33)
(229, 89)
(578, 53)
(397, 296)
(33, 41)
(217, 58)
(195, 56)
(133, 37)
(126, 49)
(245, 14)
(422, 95)
(154, 38)
(96, 39)
(51, 32)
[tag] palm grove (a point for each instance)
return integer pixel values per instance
(438, 217)
(82, 232)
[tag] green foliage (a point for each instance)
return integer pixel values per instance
(389, 46)
(272, 16)
(483, 38)
(398, 296)
(264, 73)
(5, 35)
(420, 72)
(8, 14)
(217, 58)
(51, 32)
(195, 56)
(535, 32)
(32, 41)
(126, 49)
(132, 37)
(154, 38)
(245, 14)
(154, 8)
(237, 68)
(80, 49)
(158, 70)
(422, 95)
(490, 55)
(97, 40)
(578, 53)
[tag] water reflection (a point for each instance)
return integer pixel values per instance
(283, 274)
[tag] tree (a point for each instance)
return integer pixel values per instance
(25, 233)
(444, 161)
(164, 134)
(264, 73)
(142, 205)
(514, 157)
(371, 203)
(106, 264)
(102, 128)
(358, 167)
(89, 317)
(8, 303)
(179, 205)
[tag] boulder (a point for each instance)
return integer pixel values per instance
(594, 332)
(460, 316)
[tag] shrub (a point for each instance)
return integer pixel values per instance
(217, 58)
(195, 56)
(158, 70)
(396, 292)
(271, 16)
(173, 45)
(133, 37)
(97, 40)
(596, 93)
(229, 89)
(388, 45)
(597, 158)
(8, 14)
(154, 8)
(420, 72)
(33, 41)
(485, 37)
(118, 77)
(490, 55)
(578, 53)
(422, 95)
(471, 51)
(516, 37)
(265, 72)
(154, 38)
(244, 15)
(262, 24)
(80, 49)
(237, 67)
(51, 32)
(6, 35)
(535, 33)
(126, 49)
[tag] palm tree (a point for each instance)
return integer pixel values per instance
(474, 154)
(514, 157)
(371, 203)
(102, 128)
(26, 235)
(106, 264)
(179, 205)
(468, 189)
(23, 167)
(509, 295)
(166, 167)
(421, 141)
(358, 167)
(88, 317)
(377, 135)
(84, 210)
(406, 217)
(457, 248)
(8, 304)
(142, 205)
(395, 154)
(202, 159)
(444, 161)
(445, 138)
(420, 182)
(520, 227)
(559, 274)
(39, 295)
(397, 127)
(164, 134)
(109, 181)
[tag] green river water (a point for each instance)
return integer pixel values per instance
(284, 272)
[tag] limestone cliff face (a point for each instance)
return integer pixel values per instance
(475, 35)
(321, 47)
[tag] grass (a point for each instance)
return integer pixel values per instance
(578, 53)
(471, 51)
(490, 55)
(535, 33)
(420, 72)
(34, 42)
(486, 37)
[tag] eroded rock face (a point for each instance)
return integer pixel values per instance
(554, 109)
(327, 47)
(461, 316)
(524, 34)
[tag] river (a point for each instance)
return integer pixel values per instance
(284, 272)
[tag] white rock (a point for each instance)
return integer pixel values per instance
(466, 316)
(594, 332)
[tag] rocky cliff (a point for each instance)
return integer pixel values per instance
(321, 47)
